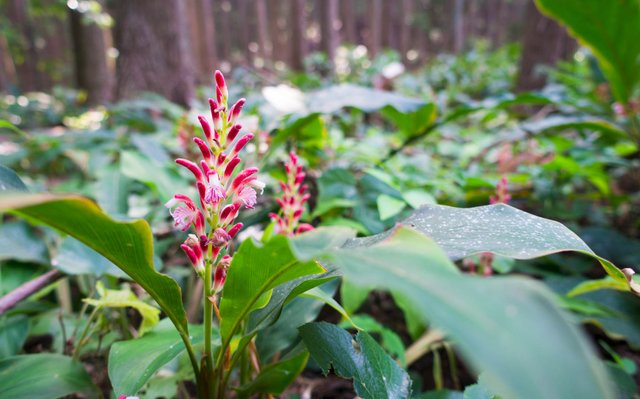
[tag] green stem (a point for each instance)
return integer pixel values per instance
(83, 335)
(208, 316)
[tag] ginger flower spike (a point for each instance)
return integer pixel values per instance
(294, 196)
(223, 188)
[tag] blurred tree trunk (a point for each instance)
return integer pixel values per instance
(458, 26)
(406, 28)
(8, 78)
(90, 57)
(200, 19)
(223, 15)
(544, 43)
(329, 24)
(151, 37)
(298, 37)
(375, 22)
(26, 68)
(348, 18)
(262, 22)
(277, 25)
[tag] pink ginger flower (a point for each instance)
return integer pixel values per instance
(222, 191)
(294, 197)
(502, 193)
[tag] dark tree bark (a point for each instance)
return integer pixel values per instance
(375, 25)
(262, 22)
(330, 24)
(90, 57)
(200, 21)
(349, 31)
(8, 78)
(458, 26)
(298, 39)
(28, 77)
(544, 43)
(152, 40)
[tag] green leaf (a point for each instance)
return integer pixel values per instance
(574, 122)
(317, 293)
(18, 242)
(9, 180)
(412, 122)
(390, 341)
(126, 299)
(389, 207)
(610, 29)
(374, 373)
(133, 362)
(73, 257)
(275, 378)
(335, 98)
(256, 270)
(43, 376)
(13, 333)
(128, 245)
(500, 229)
(352, 296)
(165, 181)
(507, 327)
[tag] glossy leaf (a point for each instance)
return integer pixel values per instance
(133, 362)
(43, 376)
(375, 374)
(276, 377)
(610, 29)
(335, 98)
(127, 244)
(507, 327)
(18, 242)
(13, 333)
(9, 180)
(257, 269)
(73, 257)
(501, 229)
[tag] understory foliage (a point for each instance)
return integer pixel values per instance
(404, 240)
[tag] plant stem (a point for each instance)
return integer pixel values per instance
(422, 345)
(83, 335)
(207, 319)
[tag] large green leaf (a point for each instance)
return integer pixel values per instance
(74, 257)
(18, 242)
(255, 271)
(276, 377)
(127, 244)
(9, 180)
(13, 333)
(133, 362)
(611, 30)
(501, 229)
(43, 376)
(507, 327)
(375, 374)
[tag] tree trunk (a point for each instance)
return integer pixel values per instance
(151, 37)
(90, 53)
(298, 38)
(544, 43)
(329, 23)
(348, 17)
(28, 77)
(262, 22)
(375, 25)
(458, 26)
(8, 78)
(406, 20)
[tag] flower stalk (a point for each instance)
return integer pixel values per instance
(222, 192)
